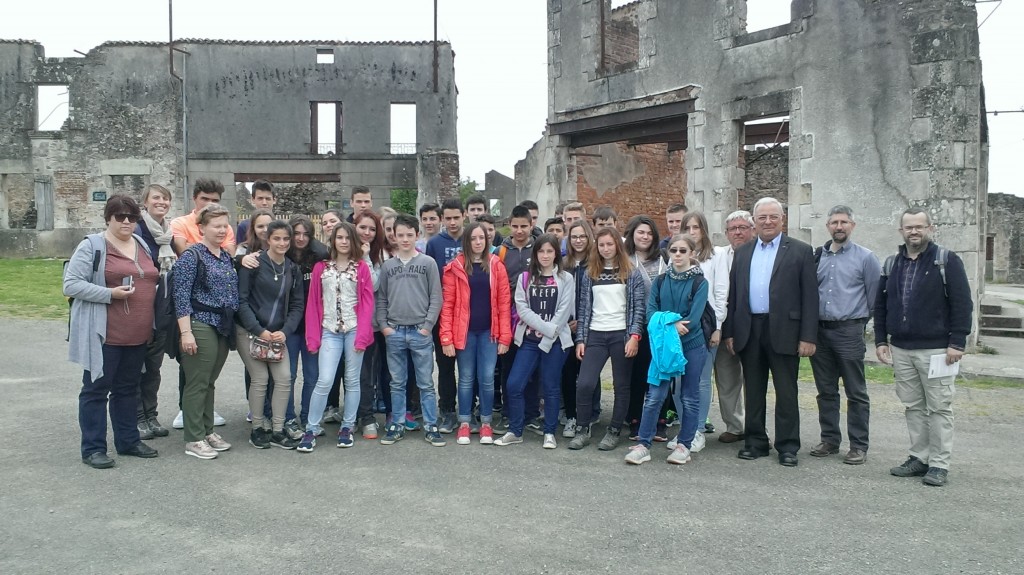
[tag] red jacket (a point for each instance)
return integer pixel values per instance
(455, 309)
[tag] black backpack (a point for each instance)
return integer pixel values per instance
(708, 320)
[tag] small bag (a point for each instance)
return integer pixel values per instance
(263, 350)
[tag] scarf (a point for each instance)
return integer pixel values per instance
(162, 234)
(694, 271)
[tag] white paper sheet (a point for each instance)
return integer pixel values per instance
(937, 367)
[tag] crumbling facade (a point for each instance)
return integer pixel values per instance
(883, 102)
(236, 111)
(1004, 247)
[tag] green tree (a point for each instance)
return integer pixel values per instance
(404, 200)
(467, 187)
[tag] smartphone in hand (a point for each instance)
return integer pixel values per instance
(128, 282)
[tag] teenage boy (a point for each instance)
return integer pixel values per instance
(408, 304)
(362, 201)
(476, 206)
(263, 198)
(515, 252)
(605, 217)
(443, 248)
(674, 221)
(534, 214)
(430, 223)
(184, 233)
(571, 213)
(555, 227)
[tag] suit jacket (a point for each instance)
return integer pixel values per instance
(792, 297)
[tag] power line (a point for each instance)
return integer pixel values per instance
(990, 13)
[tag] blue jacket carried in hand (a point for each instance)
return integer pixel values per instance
(667, 359)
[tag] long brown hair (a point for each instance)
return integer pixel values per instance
(705, 249)
(571, 258)
(595, 265)
(377, 245)
(355, 246)
(253, 243)
(467, 250)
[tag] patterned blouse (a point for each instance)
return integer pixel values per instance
(340, 297)
(216, 286)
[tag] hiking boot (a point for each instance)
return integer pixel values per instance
(345, 437)
(281, 439)
(157, 429)
(610, 440)
(463, 434)
(936, 477)
(582, 438)
(570, 428)
(394, 434)
(259, 438)
(912, 467)
(433, 436)
(307, 443)
(824, 449)
(855, 456)
(638, 454)
(508, 439)
(217, 443)
(486, 434)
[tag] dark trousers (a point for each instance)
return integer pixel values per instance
(531, 394)
(368, 377)
(638, 384)
(840, 353)
(529, 361)
(447, 386)
(758, 359)
(570, 371)
(117, 390)
(602, 346)
(149, 383)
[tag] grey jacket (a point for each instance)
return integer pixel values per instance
(92, 296)
(558, 327)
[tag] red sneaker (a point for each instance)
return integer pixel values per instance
(463, 434)
(486, 435)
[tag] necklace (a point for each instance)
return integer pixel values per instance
(277, 274)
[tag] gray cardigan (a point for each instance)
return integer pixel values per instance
(92, 296)
(559, 324)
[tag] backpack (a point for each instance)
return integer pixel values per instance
(941, 258)
(708, 320)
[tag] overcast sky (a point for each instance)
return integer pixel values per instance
(501, 54)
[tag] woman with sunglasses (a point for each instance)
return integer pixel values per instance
(681, 291)
(112, 278)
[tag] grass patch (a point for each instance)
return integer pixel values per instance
(1019, 302)
(32, 289)
(883, 374)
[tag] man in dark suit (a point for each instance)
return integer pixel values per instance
(772, 322)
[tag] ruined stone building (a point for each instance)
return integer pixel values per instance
(144, 112)
(880, 103)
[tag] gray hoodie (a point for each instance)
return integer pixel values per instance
(409, 294)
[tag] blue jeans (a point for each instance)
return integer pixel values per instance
(405, 342)
(528, 359)
(687, 398)
(476, 366)
(705, 387)
(118, 391)
(310, 373)
(332, 347)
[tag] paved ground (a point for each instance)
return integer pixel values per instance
(521, 509)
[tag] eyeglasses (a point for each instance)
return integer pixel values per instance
(915, 228)
(734, 229)
(577, 238)
(678, 251)
(769, 218)
(126, 218)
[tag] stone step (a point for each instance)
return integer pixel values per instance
(1002, 331)
(991, 309)
(1002, 321)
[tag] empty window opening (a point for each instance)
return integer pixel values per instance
(403, 129)
(325, 123)
(764, 14)
(620, 36)
(621, 3)
(325, 55)
(52, 107)
(766, 133)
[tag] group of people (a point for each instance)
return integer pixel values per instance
(528, 322)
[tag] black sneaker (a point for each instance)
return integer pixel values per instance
(145, 431)
(709, 427)
(912, 467)
(281, 439)
(433, 436)
(936, 477)
(259, 438)
(157, 429)
(394, 434)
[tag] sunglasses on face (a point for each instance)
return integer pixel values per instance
(678, 251)
(126, 218)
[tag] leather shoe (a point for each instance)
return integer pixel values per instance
(855, 457)
(730, 437)
(139, 450)
(98, 460)
(750, 454)
(824, 449)
(788, 459)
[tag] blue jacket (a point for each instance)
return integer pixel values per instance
(443, 248)
(667, 359)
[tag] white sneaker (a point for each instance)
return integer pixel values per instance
(638, 454)
(549, 441)
(680, 455)
(672, 443)
(570, 428)
(218, 420)
(200, 449)
(698, 442)
(179, 421)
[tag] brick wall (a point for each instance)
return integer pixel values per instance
(19, 193)
(622, 38)
(71, 191)
(633, 180)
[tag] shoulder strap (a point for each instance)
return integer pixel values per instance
(941, 257)
(501, 252)
(817, 254)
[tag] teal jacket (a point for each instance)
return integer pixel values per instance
(667, 359)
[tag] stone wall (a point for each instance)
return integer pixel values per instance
(1006, 228)
(766, 174)
(633, 180)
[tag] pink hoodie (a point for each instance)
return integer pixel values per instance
(364, 307)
